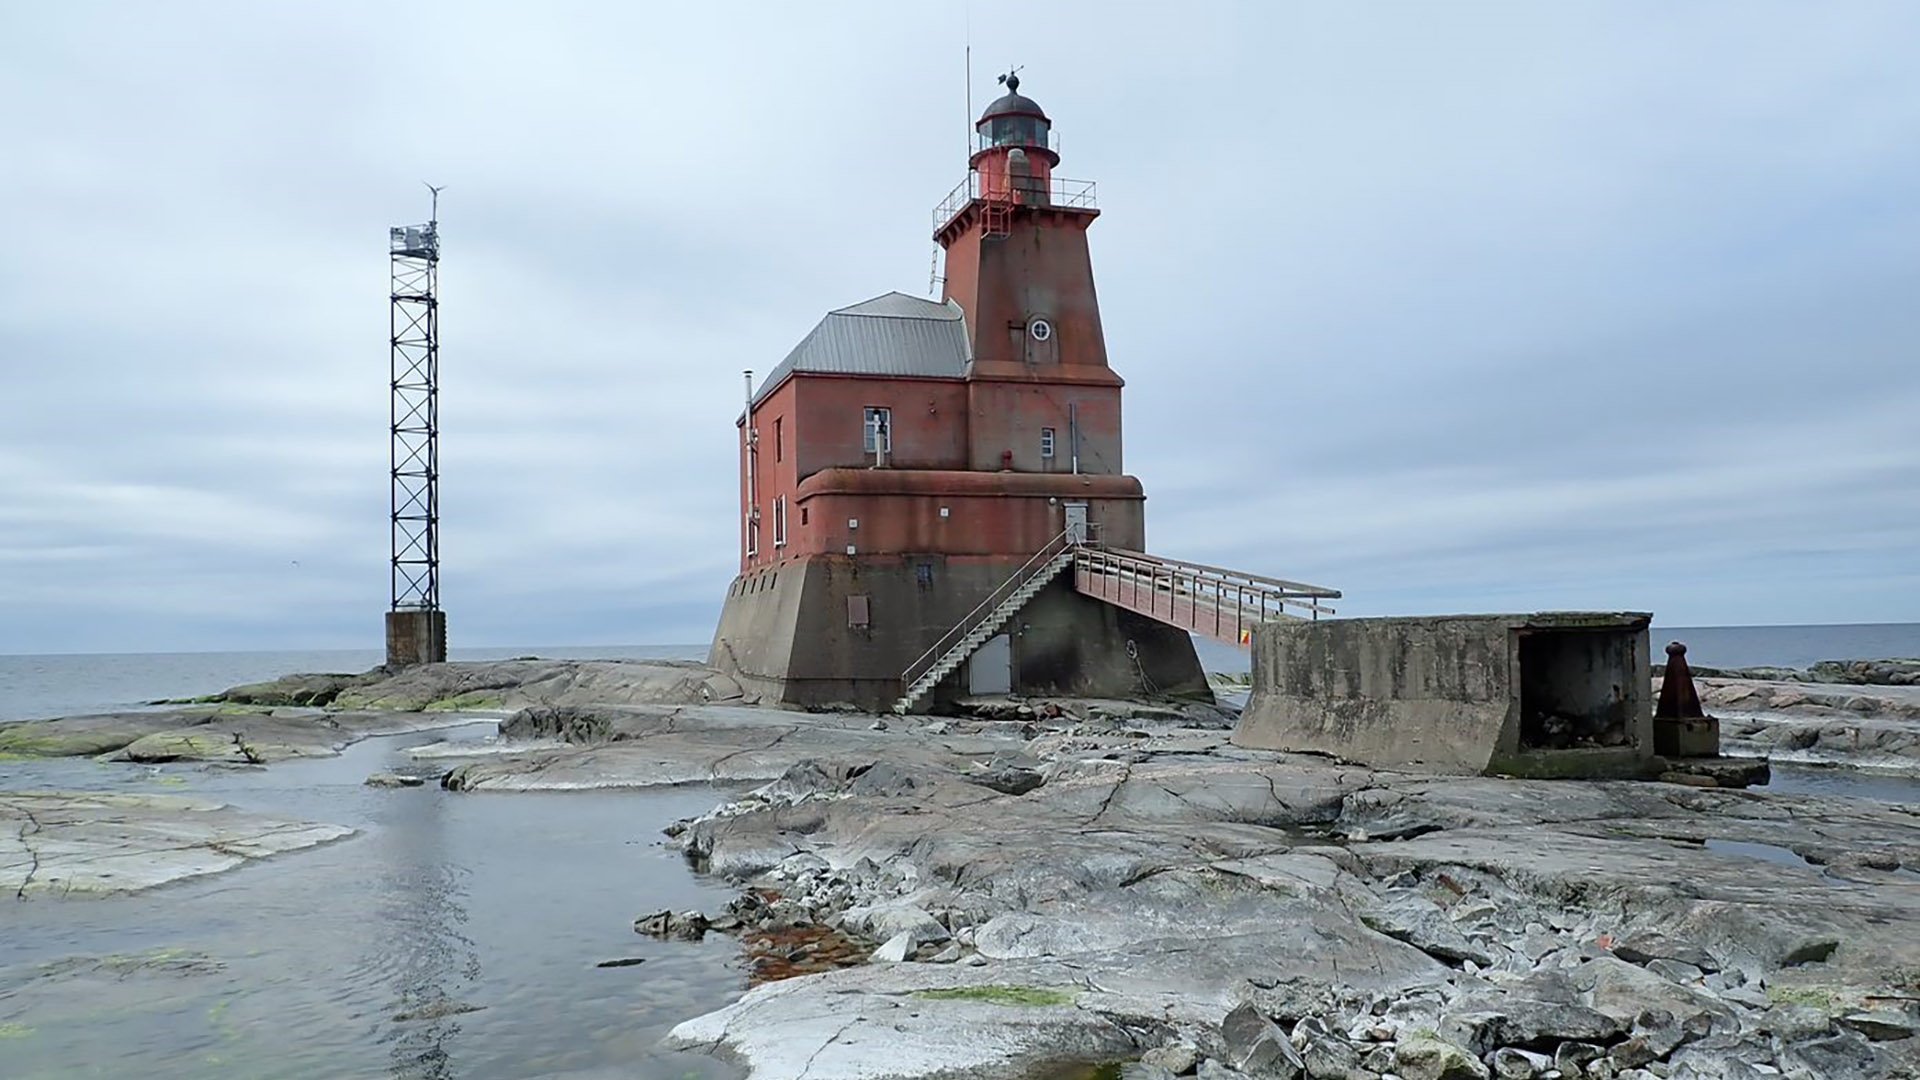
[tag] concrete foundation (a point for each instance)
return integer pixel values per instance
(416, 637)
(1551, 694)
(1698, 737)
(839, 630)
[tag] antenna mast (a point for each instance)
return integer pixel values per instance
(416, 627)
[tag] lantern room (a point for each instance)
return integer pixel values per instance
(1014, 153)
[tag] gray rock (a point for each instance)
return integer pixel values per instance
(684, 926)
(1256, 1046)
(1008, 779)
(1845, 1055)
(1510, 1063)
(1643, 948)
(1573, 1057)
(888, 920)
(1631, 1053)
(1214, 1070)
(1421, 924)
(1623, 991)
(1675, 971)
(1329, 1057)
(895, 950)
(801, 862)
(1423, 1057)
(394, 780)
(1794, 1022)
(79, 844)
(948, 955)
(1177, 1058)
(1142, 1070)
(1879, 1025)
(1531, 1025)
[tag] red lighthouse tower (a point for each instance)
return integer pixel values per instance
(910, 463)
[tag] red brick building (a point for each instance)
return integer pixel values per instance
(908, 455)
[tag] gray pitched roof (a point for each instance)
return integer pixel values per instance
(893, 334)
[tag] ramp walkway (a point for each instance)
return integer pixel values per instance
(1218, 603)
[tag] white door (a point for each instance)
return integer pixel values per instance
(991, 669)
(1077, 521)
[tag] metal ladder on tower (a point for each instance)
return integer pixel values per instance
(996, 216)
(985, 620)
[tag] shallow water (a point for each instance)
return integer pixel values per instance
(299, 965)
(1855, 783)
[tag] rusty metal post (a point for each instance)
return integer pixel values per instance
(1681, 728)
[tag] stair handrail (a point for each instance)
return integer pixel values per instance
(1053, 549)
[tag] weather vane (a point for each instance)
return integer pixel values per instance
(1011, 80)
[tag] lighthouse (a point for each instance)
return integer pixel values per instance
(912, 471)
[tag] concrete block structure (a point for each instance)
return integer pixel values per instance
(909, 456)
(416, 637)
(1549, 694)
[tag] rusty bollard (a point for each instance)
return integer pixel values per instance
(1681, 728)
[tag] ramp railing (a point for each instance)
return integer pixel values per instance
(1222, 604)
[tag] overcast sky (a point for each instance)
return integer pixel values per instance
(1456, 307)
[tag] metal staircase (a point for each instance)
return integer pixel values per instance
(984, 621)
(1225, 605)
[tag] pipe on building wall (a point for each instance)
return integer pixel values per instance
(1073, 434)
(749, 450)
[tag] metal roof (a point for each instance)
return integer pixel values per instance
(890, 335)
(1012, 103)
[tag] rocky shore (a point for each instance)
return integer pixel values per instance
(1904, 672)
(1037, 887)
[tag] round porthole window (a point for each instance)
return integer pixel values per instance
(1041, 329)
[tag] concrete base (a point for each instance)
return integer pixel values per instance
(416, 637)
(1552, 694)
(839, 630)
(1696, 738)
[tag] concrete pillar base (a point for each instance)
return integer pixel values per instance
(416, 637)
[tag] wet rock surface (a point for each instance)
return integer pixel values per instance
(1034, 883)
(990, 894)
(229, 734)
(1870, 726)
(1150, 890)
(92, 844)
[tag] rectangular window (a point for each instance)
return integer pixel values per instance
(1046, 442)
(753, 534)
(803, 515)
(780, 521)
(879, 431)
(779, 444)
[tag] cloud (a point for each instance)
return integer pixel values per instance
(1514, 305)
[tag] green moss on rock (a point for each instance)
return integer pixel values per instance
(1031, 996)
(471, 700)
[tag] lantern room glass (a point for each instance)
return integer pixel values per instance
(1013, 131)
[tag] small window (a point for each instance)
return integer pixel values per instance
(753, 537)
(1046, 442)
(857, 611)
(923, 574)
(780, 521)
(803, 515)
(779, 454)
(879, 431)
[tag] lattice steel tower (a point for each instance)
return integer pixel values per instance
(416, 627)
